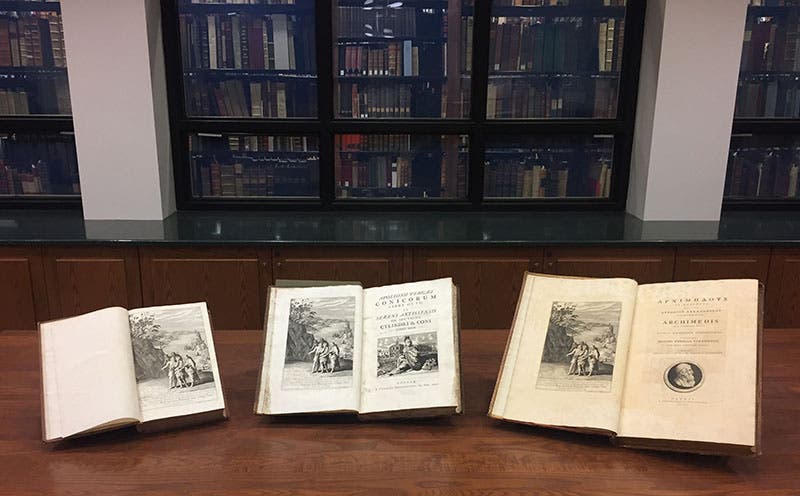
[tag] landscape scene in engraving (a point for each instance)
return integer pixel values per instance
(580, 347)
(407, 355)
(319, 343)
(171, 357)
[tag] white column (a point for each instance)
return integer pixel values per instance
(687, 92)
(117, 81)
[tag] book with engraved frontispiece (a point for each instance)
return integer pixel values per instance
(673, 366)
(154, 367)
(384, 352)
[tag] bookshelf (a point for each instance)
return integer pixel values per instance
(38, 162)
(765, 146)
(454, 104)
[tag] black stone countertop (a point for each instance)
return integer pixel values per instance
(398, 228)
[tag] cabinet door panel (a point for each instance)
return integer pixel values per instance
(693, 264)
(229, 280)
(645, 265)
(81, 280)
(783, 289)
(23, 299)
(489, 280)
(369, 266)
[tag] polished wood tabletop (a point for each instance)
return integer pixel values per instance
(466, 455)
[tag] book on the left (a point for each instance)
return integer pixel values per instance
(154, 367)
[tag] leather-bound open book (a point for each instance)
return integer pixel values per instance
(673, 366)
(390, 351)
(151, 367)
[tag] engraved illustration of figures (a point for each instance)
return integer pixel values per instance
(333, 358)
(580, 346)
(408, 359)
(685, 376)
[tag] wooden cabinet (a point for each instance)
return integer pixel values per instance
(698, 263)
(489, 279)
(369, 266)
(645, 265)
(231, 280)
(83, 279)
(783, 289)
(23, 298)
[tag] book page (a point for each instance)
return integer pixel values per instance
(693, 358)
(409, 347)
(571, 338)
(175, 361)
(312, 350)
(87, 370)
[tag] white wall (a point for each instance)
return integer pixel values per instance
(118, 90)
(687, 92)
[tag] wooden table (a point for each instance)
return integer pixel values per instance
(468, 455)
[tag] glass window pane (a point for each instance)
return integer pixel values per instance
(253, 59)
(38, 165)
(763, 167)
(555, 61)
(548, 166)
(400, 60)
(33, 65)
(769, 75)
(250, 166)
(401, 166)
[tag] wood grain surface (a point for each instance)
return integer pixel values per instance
(315, 455)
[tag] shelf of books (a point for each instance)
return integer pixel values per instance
(248, 59)
(762, 165)
(402, 60)
(37, 147)
(555, 59)
(36, 165)
(525, 167)
(401, 166)
(254, 166)
(394, 82)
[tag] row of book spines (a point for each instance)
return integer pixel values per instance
(373, 142)
(269, 99)
(515, 180)
(245, 42)
(239, 180)
(509, 99)
(557, 3)
(768, 100)
(378, 173)
(356, 22)
(753, 180)
(375, 101)
(13, 182)
(32, 41)
(770, 47)
(519, 45)
(254, 143)
(17, 102)
(395, 59)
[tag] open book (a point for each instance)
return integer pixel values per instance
(155, 367)
(672, 366)
(389, 351)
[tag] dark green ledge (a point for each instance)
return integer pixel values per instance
(399, 229)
